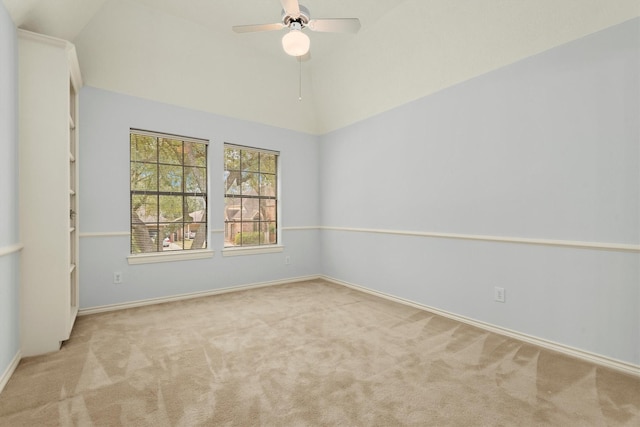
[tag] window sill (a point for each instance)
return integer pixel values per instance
(168, 256)
(252, 250)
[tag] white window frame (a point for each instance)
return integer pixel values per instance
(156, 257)
(230, 251)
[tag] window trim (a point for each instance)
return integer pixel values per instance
(246, 147)
(168, 136)
(156, 257)
(251, 250)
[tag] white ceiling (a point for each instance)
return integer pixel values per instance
(183, 52)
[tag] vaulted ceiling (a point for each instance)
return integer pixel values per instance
(184, 52)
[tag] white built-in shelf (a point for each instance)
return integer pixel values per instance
(45, 100)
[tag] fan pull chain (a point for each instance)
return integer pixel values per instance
(300, 78)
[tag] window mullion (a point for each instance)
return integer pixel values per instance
(184, 199)
(159, 239)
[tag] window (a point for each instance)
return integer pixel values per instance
(251, 196)
(168, 192)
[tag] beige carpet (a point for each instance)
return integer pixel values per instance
(308, 353)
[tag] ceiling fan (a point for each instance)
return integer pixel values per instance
(296, 17)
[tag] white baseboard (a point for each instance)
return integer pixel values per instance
(151, 301)
(618, 365)
(4, 379)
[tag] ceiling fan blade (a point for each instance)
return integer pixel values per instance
(335, 25)
(256, 28)
(291, 7)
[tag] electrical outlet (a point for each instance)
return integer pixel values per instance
(117, 277)
(498, 294)
(287, 259)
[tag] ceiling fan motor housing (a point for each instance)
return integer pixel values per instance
(303, 18)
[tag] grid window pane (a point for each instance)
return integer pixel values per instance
(251, 199)
(231, 159)
(144, 208)
(196, 209)
(249, 161)
(250, 184)
(268, 163)
(170, 151)
(267, 184)
(168, 193)
(144, 176)
(250, 209)
(195, 180)
(143, 148)
(267, 210)
(171, 208)
(195, 154)
(170, 178)
(271, 234)
(171, 237)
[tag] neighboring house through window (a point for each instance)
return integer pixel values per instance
(168, 192)
(251, 196)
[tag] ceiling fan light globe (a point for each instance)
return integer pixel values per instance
(296, 43)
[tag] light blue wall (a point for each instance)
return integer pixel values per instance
(9, 263)
(545, 148)
(105, 120)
